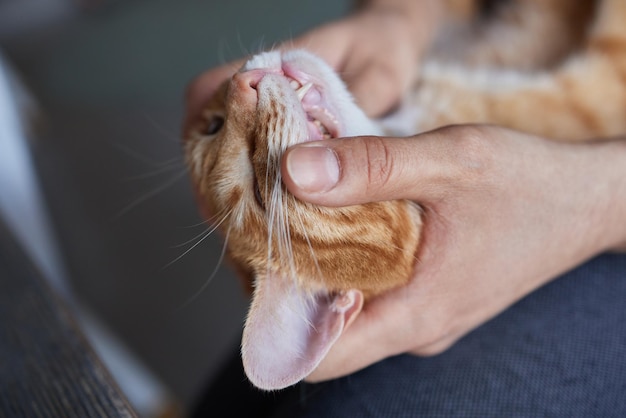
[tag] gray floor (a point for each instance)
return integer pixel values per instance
(110, 82)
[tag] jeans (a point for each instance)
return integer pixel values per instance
(559, 352)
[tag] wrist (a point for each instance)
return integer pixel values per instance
(617, 205)
(608, 180)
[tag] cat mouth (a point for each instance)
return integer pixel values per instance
(321, 120)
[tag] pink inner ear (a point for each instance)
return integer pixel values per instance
(289, 332)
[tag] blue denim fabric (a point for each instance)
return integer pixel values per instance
(559, 352)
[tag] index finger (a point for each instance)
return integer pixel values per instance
(202, 88)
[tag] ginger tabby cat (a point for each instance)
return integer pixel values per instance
(555, 68)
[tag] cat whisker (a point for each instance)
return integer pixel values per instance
(206, 235)
(203, 222)
(284, 233)
(244, 51)
(189, 241)
(167, 167)
(165, 134)
(287, 241)
(308, 241)
(150, 194)
(211, 276)
(271, 206)
(222, 45)
(144, 158)
(281, 224)
(267, 175)
(258, 45)
(315, 261)
(211, 226)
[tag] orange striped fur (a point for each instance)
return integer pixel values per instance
(555, 68)
(561, 73)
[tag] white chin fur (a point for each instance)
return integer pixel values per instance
(352, 120)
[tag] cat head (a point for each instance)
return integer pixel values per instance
(310, 268)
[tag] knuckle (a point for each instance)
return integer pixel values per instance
(473, 150)
(469, 138)
(380, 164)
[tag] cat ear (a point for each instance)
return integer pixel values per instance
(289, 332)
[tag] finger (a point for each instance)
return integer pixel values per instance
(318, 41)
(357, 170)
(376, 89)
(202, 88)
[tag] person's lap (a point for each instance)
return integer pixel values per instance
(558, 352)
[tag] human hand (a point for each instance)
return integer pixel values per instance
(504, 213)
(376, 51)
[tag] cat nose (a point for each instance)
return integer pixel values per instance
(243, 86)
(249, 79)
(246, 80)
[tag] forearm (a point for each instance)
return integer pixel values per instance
(424, 16)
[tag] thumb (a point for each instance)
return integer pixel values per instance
(349, 171)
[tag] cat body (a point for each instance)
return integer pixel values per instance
(580, 96)
(310, 268)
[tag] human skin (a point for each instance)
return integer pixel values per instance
(504, 213)
(357, 47)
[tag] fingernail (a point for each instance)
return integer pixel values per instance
(313, 168)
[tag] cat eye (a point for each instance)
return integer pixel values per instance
(214, 124)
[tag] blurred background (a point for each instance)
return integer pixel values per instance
(103, 86)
